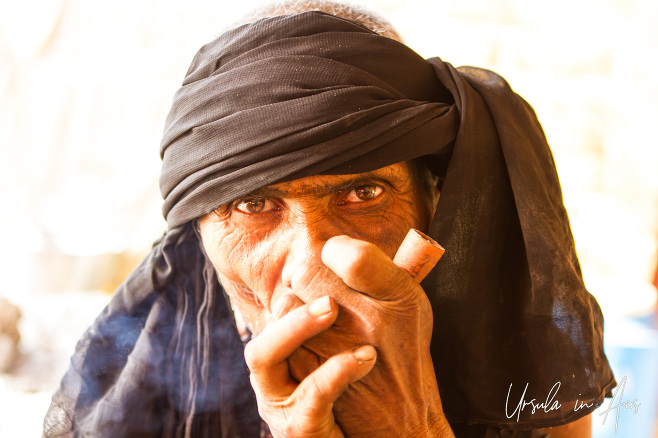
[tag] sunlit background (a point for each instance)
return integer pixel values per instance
(85, 87)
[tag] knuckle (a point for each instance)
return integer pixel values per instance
(305, 276)
(359, 258)
(373, 325)
(251, 356)
(362, 250)
(402, 284)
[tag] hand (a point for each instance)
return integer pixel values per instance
(380, 305)
(301, 409)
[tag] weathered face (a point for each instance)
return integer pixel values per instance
(256, 242)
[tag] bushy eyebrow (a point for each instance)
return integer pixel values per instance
(319, 189)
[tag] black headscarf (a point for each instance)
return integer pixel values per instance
(292, 96)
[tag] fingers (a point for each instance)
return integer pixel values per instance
(305, 408)
(284, 305)
(302, 361)
(308, 409)
(331, 379)
(366, 268)
(279, 339)
(267, 353)
(313, 280)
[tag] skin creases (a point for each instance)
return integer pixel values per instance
(256, 242)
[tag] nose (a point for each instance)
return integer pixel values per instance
(307, 238)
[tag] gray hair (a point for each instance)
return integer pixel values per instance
(359, 14)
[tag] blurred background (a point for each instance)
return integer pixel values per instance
(85, 88)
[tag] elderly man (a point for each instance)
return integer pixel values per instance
(298, 153)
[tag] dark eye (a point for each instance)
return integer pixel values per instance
(364, 193)
(253, 206)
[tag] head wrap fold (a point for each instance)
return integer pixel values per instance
(292, 96)
(319, 95)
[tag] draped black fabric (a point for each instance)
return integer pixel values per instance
(299, 95)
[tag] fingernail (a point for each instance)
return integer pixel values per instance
(365, 353)
(320, 306)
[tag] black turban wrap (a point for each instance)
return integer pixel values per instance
(298, 95)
